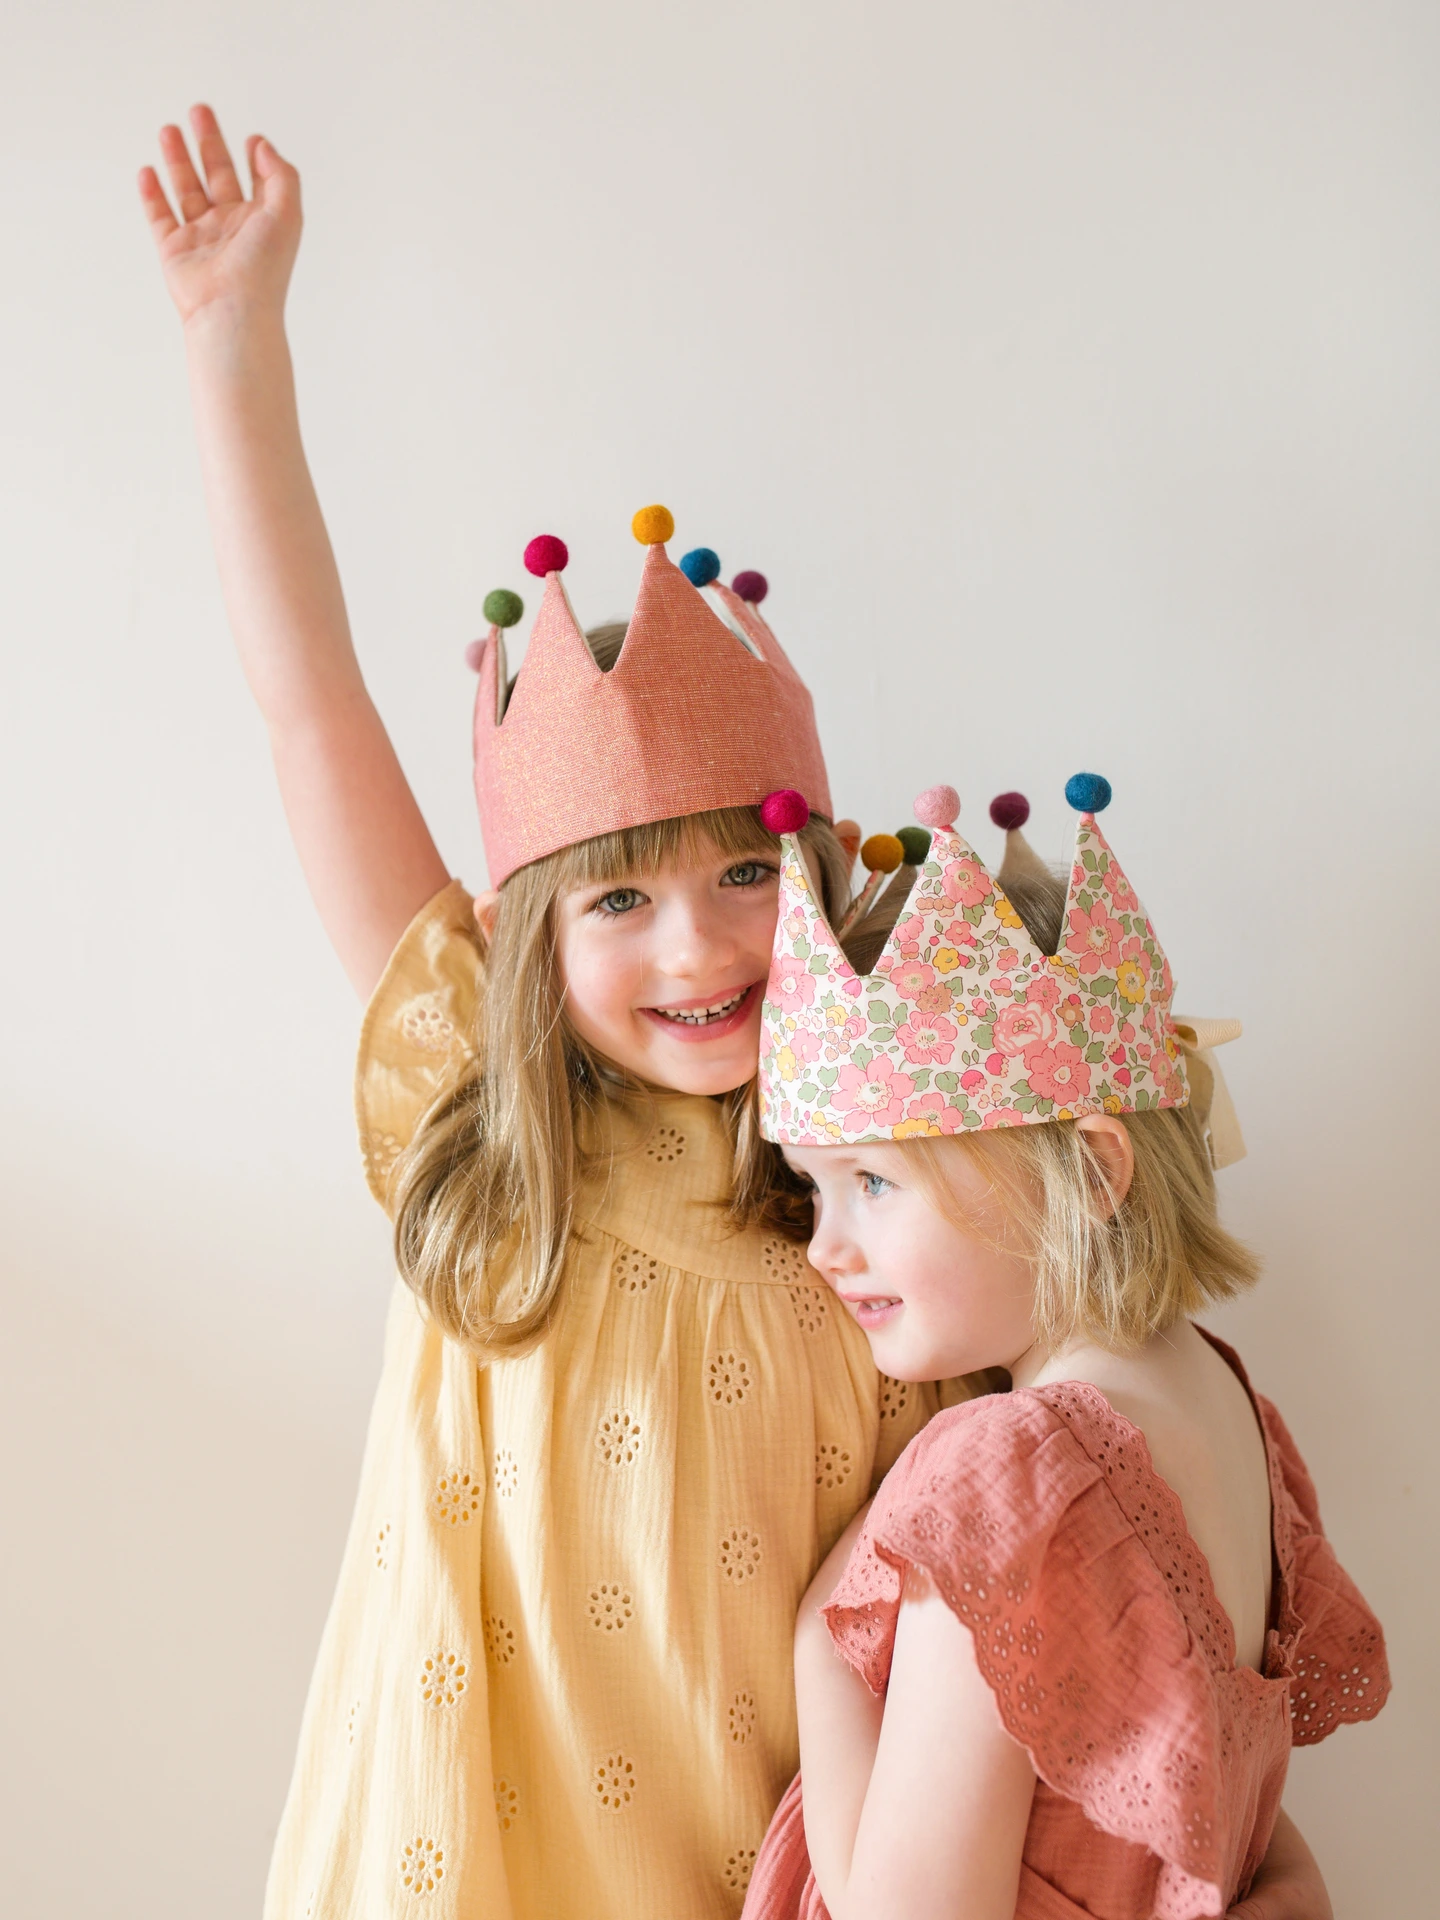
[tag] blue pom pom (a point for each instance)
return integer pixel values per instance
(1088, 792)
(700, 566)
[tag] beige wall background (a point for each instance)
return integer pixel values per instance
(1070, 369)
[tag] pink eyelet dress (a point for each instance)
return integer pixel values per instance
(1160, 1762)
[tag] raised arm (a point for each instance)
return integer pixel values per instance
(366, 852)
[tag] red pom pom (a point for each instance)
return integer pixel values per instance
(546, 553)
(475, 655)
(750, 586)
(1009, 810)
(937, 807)
(784, 811)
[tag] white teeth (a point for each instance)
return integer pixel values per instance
(702, 1016)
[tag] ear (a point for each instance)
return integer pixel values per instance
(486, 907)
(1109, 1140)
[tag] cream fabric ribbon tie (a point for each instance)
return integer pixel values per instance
(1197, 1040)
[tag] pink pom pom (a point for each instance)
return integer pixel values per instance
(937, 807)
(546, 553)
(750, 586)
(1009, 810)
(784, 811)
(475, 655)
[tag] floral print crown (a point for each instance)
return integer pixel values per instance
(964, 1023)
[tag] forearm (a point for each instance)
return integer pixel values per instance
(840, 1723)
(1288, 1885)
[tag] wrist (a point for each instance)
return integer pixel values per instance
(235, 333)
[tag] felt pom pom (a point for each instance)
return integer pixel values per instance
(784, 811)
(1009, 810)
(546, 553)
(503, 608)
(475, 655)
(915, 843)
(1088, 792)
(653, 526)
(700, 566)
(937, 807)
(882, 853)
(750, 586)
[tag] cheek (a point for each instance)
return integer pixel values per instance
(596, 976)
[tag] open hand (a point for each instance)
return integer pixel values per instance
(223, 250)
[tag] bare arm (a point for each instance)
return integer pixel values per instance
(1288, 1885)
(366, 852)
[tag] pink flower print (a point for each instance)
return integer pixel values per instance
(805, 1045)
(910, 978)
(792, 985)
(930, 1114)
(794, 924)
(1078, 878)
(909, 932)
(872, 1096)
(1132, 976)
(854, 1028)
(1094, 938)
(1058, 1073)
(1127, 1030)
(965, 883)
(1023, 1025)
(1144, 1050)
(979, 1007)
(1117, 1056)
(1003, 1117)
(1007, 959)
(959, 933)
(995, 1063)
(937, 999)
(1102, 1020)
(1045, 992)
(1122, 896)
(927, 1042)
(1122, 1076)
(973, 1080)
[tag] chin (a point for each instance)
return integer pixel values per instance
(689, 1075)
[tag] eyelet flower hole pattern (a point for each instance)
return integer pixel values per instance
(729, 1378)
(742, 1717)
(812, 1309)
(422, 1866)
(666, 1144)
(894, 1397)
(610, 1607)
(507, 1473)
(507, 1805)
(379, 1152)
(352, 1720)
(443, 1678)
(633, 1271)
(833, 1466)
(613, 1782)
(456, 1499)
(738, 1868)
(784, 1260)
(382, 1547)
(426, 1025)
(618, 1437)
(499, 1640)
(740, 1554)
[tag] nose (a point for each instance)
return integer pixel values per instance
(832, 1252)
(695, 941)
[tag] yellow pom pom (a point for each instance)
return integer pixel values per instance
(652, 526)
(882, 853)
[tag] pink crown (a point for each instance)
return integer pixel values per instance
(965, 1023)
(698, 711)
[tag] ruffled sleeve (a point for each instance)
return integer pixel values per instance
(1093, 1669)
(1328, 1639)
(418, 1030)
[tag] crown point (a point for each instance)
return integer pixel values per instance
(751, 587)
(475, 655)
(784, 811)
(1087, 792)
(503, 608)
(546, 553)
(700, 566)
(914, 844)
(937, 807)
(653, 526)
(882, 853)
(1009, 810)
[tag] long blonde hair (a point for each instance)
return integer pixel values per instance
(485, 1193)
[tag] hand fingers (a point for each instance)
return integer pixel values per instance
(220, 176)
(157, 208)
(277, 184)
(190, 196)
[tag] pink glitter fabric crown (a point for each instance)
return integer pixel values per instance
(698, 712)
(965, 1023)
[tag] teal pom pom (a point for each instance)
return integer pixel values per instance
(1088, 792)
(916, 843)
(700, 566)
(503, 608)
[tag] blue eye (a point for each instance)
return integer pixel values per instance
(874, 1185)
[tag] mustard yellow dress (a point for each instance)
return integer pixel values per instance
(556, 1677)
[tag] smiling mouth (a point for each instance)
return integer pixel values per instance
(708, 1016)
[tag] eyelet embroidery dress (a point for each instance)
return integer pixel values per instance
(1160, 1762)
(556, 1677)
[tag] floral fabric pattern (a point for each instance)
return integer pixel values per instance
(964, 1022)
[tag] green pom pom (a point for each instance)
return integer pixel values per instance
(916, 842)
(503, 608)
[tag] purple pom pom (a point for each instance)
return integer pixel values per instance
(546, 553)
(784, 811)
(475, 655)
(1009, 810)
(937, 807)
(750, 586)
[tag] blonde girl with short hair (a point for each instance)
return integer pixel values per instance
(1085, 1618)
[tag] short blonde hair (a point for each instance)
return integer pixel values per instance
(1113, 1270)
